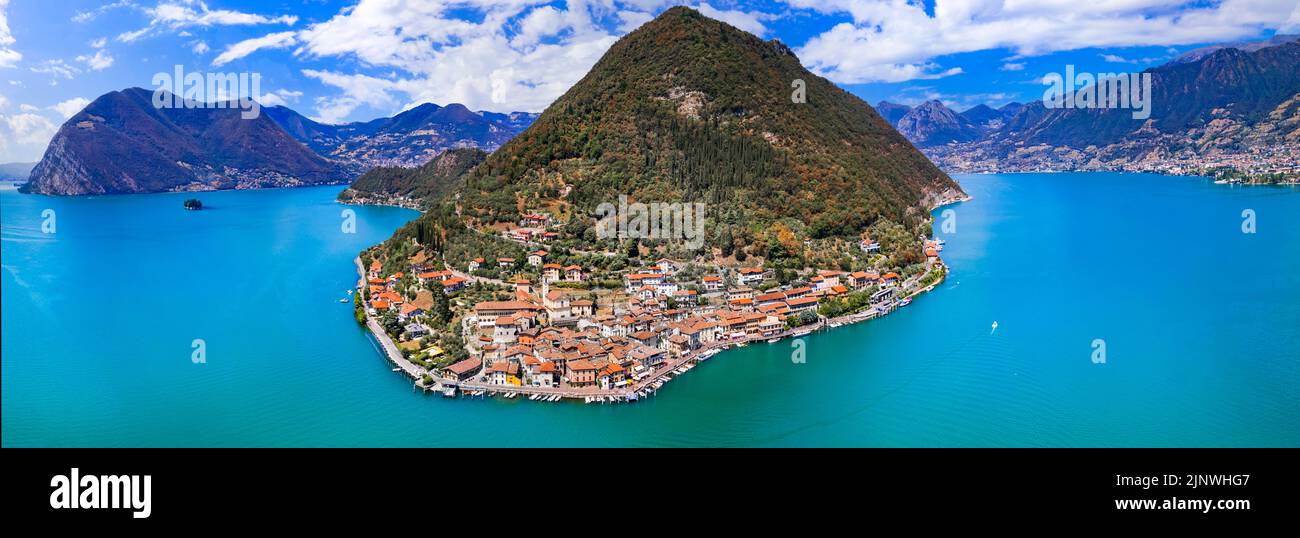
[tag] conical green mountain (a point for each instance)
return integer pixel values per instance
(690, 108)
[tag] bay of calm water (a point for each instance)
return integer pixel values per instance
(1201, 325)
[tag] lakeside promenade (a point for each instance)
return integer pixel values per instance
(390, 348)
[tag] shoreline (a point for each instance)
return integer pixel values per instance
(1151, 172)
(648, 386)
(385, 342)
(282, 187)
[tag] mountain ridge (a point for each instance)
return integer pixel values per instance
(409, 138)
(1207, 112)
(687, 109)
(122, 143)
(668, 96)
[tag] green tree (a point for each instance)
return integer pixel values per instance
(388, 320)
(441, 305)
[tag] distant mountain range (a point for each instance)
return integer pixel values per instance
(1196, 55)
(408, 139)
(932, 123)
(1212, 101)
(16, 171)
(122, 143)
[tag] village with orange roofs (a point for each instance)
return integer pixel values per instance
(533, 328)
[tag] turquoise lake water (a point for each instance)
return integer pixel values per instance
(1201, 325)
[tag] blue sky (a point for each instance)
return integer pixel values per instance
(358, 59)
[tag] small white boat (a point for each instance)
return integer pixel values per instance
(773, 340)
(343, 300)
(397, 369)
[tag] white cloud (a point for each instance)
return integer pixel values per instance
(176, 15)
(56, 69)
(99, 61)
(896, 40)
(243, 48)
(749, 22)
(8, 56)
(916, 95)
(501, 55)
(71, 107)
(87, 16)
(515, 55)
(23, 135)
(1117, 59)
(631, 20)
(28, 131)
(200, 48)
(1013, 66)
(357, 90)
(540, 23)
(280, 98)
(128, 37)
(1292, 25)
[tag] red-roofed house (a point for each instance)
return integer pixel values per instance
(750, 276)
(504, 373)
(536, 257)
(462, 370)
(573, 273)
(580, 373)
(551, 272)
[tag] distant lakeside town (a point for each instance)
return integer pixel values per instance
(1259, 164)
(532, 327)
